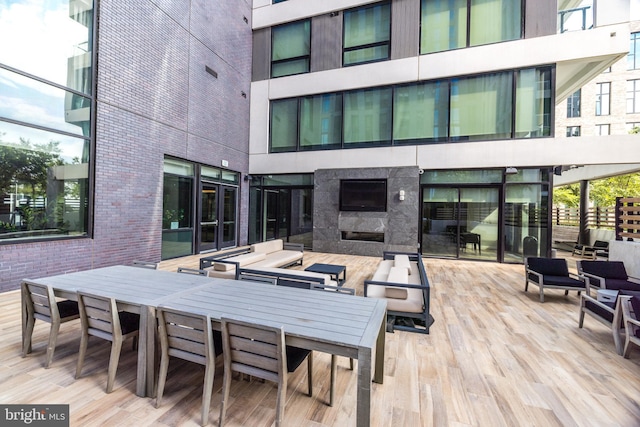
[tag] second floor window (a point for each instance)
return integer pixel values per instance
(291, 48)
(633, 58)
(367, 34)
(603, 99)
(633, 96)
(573, 104)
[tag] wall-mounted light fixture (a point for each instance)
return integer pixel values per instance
(336, 13)
(401, 195)
(511, 170)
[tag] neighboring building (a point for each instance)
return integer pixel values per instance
(353, 126)
(610, 103)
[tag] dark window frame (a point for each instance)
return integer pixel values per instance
(368, 45)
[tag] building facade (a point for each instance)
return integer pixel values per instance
(123, 132)
(451, 104)
(154, 129)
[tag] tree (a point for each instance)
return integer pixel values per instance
(567, 195)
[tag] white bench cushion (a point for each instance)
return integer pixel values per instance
(403, 262)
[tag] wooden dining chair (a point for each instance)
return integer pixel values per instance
(145, 264)
(190, 337)
(41, 304)
(100, 317)
(260, 351)
(193, 271)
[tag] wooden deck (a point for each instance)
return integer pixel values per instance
(495, 357)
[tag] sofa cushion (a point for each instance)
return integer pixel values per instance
(414, 303)
(402, 261)
(619, 284)
(278, 259)
(268, 247)
(600, 311)
(398, 275)
(563, 281)
(396, 293)
(549, 266)
(382, 272)
(242, 260)
(606, 269)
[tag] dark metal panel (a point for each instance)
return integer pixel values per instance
(540, 18)
(405, 28)
(326, 42)
(261, 54)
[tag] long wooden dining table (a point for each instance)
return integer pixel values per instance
(330, 322)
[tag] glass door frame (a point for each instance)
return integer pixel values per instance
(220, 243)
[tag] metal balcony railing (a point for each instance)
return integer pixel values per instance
(576, 19)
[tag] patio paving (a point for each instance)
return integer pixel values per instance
(495, 357)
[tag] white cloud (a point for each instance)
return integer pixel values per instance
(39, 40)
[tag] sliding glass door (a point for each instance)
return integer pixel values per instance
(460, 222)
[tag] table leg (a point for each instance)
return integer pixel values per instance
(380, 343)
(363, 412)
(146, 353)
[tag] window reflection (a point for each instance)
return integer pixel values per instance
(49, 39)
(43, 183)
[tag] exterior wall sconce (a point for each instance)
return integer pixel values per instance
(511, 171)
(401, 195)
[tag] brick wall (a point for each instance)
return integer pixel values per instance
(154, 99)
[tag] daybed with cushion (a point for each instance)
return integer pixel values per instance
(606, 275)
(401, 279)
(273, 253)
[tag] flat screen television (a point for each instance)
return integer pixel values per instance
(363, 195)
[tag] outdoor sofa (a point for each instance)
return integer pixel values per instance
(273, 253)
(401, 279)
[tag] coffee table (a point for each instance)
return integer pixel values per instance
(333, 270)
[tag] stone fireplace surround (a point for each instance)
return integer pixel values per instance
(399, 224)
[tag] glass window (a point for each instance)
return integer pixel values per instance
(52, 40)
(573, 104)
(603, 100)
(44, 183)
(284, 125)
(602, 130)
(27, 100)
(177, 206)
(45, 152)
(633, 58)
(443, 25)
(633, 127)
(481, 107)
(573, 131)
(367, 34)
(290, 48)
(321, 121)
(420, 112)
(633, 96)
(367, 117)
(494, 21)
(461, 176)
(533, 103)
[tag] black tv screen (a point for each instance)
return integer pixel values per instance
(362, 195)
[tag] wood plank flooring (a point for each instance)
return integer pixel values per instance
(495, 357)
